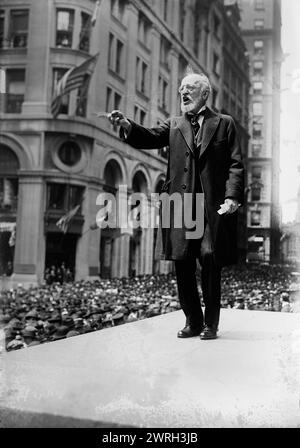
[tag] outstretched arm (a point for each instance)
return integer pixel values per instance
(139, 136)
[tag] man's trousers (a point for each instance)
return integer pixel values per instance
(200, 249)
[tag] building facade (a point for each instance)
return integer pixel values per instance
(261, 24)
(290, 238)
(50, 165)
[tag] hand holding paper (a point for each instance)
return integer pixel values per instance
(229, 206)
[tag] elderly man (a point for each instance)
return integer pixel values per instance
(204, 158)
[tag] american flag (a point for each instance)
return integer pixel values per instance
(95, 13)
(71, 80)
(64, 221)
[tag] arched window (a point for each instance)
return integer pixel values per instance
(9, 166)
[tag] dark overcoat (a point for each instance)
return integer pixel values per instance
(219, 161)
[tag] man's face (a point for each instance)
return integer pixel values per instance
(193, 95)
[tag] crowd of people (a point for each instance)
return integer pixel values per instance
(58, 309)
(58, 274)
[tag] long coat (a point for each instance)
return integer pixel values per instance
(219, 161)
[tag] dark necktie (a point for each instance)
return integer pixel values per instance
(195, 125)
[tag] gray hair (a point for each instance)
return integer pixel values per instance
(204, 79)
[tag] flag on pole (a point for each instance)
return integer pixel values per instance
(85, 34)
(64, 221)
(95, 13)
(71, 80)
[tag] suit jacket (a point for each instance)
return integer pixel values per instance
(218, 161)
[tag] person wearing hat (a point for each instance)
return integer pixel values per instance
(15, 344)
(72, 333)
(29, 335)
(118, 319)
(10, 335)
(79, 324)
(60, 333)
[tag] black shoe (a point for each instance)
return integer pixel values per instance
(189, 332)
(208, 332)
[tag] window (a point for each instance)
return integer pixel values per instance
(257, 109)
(259, 4)
(216, 64)
(255, 218)
(259, 24)
(2, 16)
(182, 13)
(256, 150)
(258, 47)
(116, 55)
(18, 28)
(108, 107)
(82, 97)
(118, 100)
(113, 101)
(214, 98)
(63, 197)
(139, 115)
(257, 130)
(216, 26)
(58, 73)
(256, 172)
(197, 31)
(111, 40)
(118, 9)
(255, 194)
(64, 27)
(141, 76)
(258, 68)
(165, 10)
(164, 51)
(119, 56)
(15, 89)
(143, 29)
(163, 91)
(257, 87)
(69, 153)
(85, 32)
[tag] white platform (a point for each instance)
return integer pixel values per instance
(140, 374)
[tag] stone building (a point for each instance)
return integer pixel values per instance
(261, 24)
(49, 165)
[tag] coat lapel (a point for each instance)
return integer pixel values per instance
(210, 124)
(185, 128)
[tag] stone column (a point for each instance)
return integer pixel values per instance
(29, 261)
(131, 59)
(124, 255)
(38, 57)
(88, 245)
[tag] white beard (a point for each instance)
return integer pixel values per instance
(187, 108)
